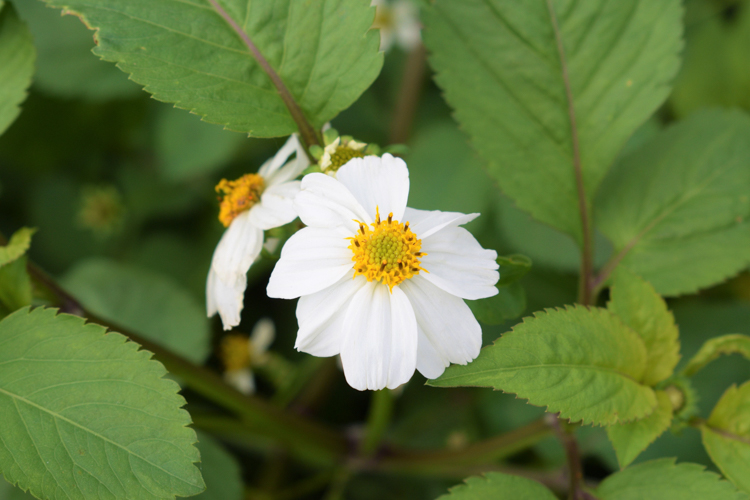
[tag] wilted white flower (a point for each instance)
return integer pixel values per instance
(398, 22)
(240, 353)
(250, 205)
(379, 283)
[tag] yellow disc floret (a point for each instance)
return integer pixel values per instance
(339, 152)
(389, 252)
(234, 352)
(238, 196)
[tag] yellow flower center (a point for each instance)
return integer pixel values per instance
(238, 196)
(234, 352)
(388, 253)
(341, 156)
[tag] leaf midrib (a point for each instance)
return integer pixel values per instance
(56, 415)
(555, 365)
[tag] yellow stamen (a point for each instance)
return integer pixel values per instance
(341, 157)
(388, 253)
(238, 196)
(234, 352)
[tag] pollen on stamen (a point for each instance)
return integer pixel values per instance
(388, 253)
(238, 196)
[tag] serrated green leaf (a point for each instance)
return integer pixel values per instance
(712, 349)
(509, 303)
(186, 53)
(16, 64)
(497, 486)
(499, 65)
(639, 306)
(678, 209)
(148, 303)
(65, 66)
(583, 363)
(86, 415)
(630, 439)
(15, 285)
(220, 471)
(726, 435)
(664, 480)
(187, 148)
(17, 246)
(9, 492)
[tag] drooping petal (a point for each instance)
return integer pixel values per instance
(292, 169)
(273, 164)
(311, 260)
(425, 223)
(380, 339)
(378, 182)
(447, 324)
(325, 202)
(458, 264)
(226, 299)
(242, 380)
(261, 337)
(320, 316)
(429, 362)
(238, 248)
(276, 206)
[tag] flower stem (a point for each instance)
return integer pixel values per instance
(412, 84)
(307, 132)
(378, 419)
(569, 442)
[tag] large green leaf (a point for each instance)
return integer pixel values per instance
(499, 64)
(678, 209)
(497, 486)
(664, 480)
(726, 435)
(584, 363)
(712, 349)
(639, 306)
(184, 52)
(65, 66)
(148, 303)
(87, 415)
(16, 64)
(630, 439)
(220, 471)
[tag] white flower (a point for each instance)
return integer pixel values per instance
(251, 204)
(398, 22)
(239, 354)
(380, 283)
(338, 153)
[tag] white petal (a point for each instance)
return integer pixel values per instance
(276, 206)
(311, 260)
(380, 339)
(272, 165)
(262, 336)
(226, 299)
(425, 223)
(320, 316)
(429, 362)
(458, 264)
(242, 380)
(325, 202)
(446, 322)
(378, 182)
(239, 247)
(292, 169)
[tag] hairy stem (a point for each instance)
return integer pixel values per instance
(412, 84)
(307, 132)
(587, 255)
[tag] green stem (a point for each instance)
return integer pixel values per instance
(481, 453)
(298, 434)
(378, 419)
